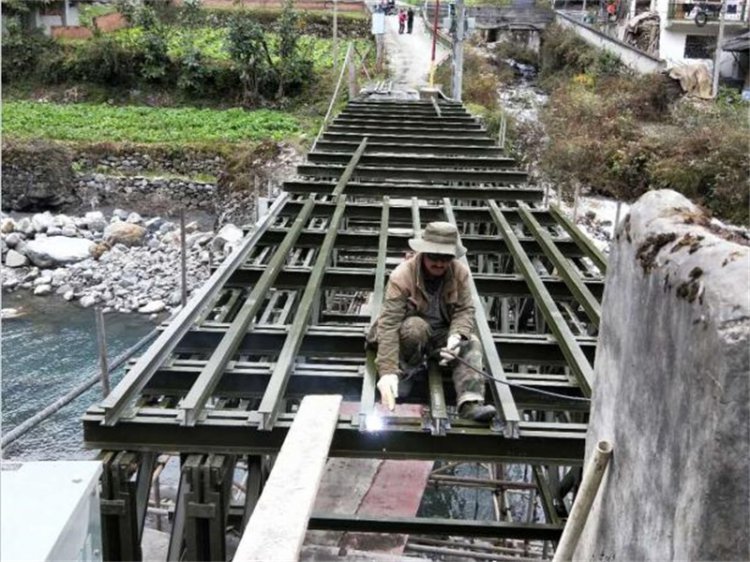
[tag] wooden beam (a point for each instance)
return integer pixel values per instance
(278, 524)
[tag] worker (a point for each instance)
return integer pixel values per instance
(428, 309)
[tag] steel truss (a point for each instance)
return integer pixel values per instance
(286, 316)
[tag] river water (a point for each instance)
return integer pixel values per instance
(45, 353)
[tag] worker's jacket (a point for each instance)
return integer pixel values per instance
(406, 296)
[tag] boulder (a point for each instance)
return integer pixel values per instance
(57, 250)
(15, 259)
(95, 221)
(12, 239)
(124, 233)
(152, 307)
(42, 290)
(134, 218)
(228, 237)
(42, 221)
(7, 225)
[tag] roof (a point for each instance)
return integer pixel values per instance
(737, 43)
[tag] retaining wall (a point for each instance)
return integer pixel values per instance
(671, 390)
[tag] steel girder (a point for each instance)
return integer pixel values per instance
(286, 315)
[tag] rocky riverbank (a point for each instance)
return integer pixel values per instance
(122, 262)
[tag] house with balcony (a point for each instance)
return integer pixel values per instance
(689, 32)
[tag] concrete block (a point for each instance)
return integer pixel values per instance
(671, 390)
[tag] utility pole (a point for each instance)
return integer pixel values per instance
(717, 53)
(434, 42)
(458, 51)
(335, 36)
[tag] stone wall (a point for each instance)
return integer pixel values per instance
(671, 390)
(128, 161)
(146, 195)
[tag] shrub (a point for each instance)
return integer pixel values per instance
(22, 49)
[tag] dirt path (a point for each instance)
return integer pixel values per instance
(409, 55)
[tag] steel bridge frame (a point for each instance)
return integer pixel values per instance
(286, 315)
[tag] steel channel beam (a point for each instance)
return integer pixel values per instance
(432, 149)
(407, 137)
(577, 361)
(500, 390)
(545, 494)
(349, 342)
(427, 123)
(352, 164)
(231, 434)
(402, 213)
(421, 161)
(398, 242)
(438, 406)
(116, 402)
(423, 191)
(564, 268)
(407, 121)
(423, 132)
(367, 398)
(434, 526)
(271, 403)
(251, 382)
(497, 284)
(502, 176)
(227, 347)
(583, 241)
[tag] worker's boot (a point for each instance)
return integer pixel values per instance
(477, 411)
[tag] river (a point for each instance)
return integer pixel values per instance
(47, 351)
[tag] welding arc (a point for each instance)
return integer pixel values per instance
(515, 384)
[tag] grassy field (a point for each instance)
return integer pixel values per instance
(101, 122)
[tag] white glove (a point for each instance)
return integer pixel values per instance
(451, 349)
(388, 387)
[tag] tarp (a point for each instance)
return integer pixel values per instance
(694, 79)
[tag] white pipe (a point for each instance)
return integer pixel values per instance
(592, 477)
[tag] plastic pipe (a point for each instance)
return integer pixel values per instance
(592, 477)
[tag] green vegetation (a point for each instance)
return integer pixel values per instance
(621, 134)
(184, 55)
(90, 122)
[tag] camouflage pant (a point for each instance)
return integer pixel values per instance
(416, 339)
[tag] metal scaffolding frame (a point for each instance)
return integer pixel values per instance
(286, 315)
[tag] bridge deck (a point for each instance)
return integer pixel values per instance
(286, 315)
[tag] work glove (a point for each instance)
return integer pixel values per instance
(451, 349)
(388, 387)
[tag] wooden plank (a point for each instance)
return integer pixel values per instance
(279, 522)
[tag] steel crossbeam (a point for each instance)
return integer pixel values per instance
(421, 161)
(423, 190)
(500, 176)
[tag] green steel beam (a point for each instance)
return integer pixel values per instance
(502, 176)
(407, 137)
(367, 399)
(434, 526)
(564, 268)
(500, 391)
(206, 382)
(117, 401)
(363, 278)
(403, 123)
(424, 191)
(417, 161)
(424, 132)
(346, 175)
(404, 148)
(583, 241)
(272, 399)
(229, 432)
(577, 361)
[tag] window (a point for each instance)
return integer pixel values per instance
(699, 46)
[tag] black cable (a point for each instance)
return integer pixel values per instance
(515, 384)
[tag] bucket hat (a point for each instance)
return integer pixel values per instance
(438, 238)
